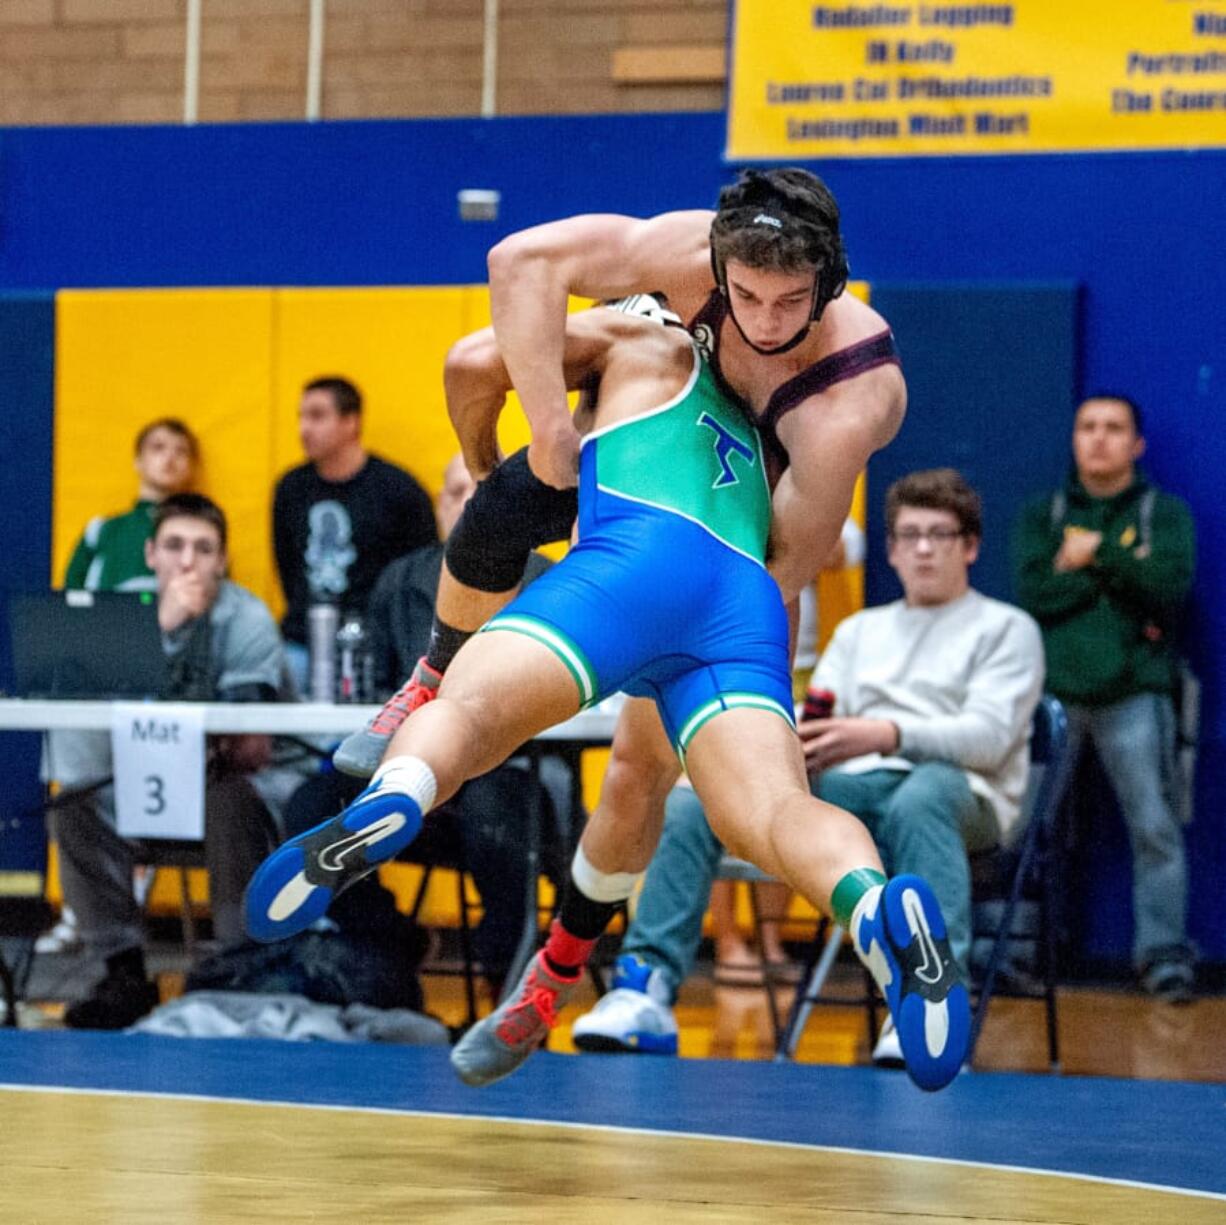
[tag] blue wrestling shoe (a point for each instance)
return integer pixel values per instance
(901, 937)
(295, 885)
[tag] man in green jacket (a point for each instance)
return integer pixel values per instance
(1105, 565)
(110, 555)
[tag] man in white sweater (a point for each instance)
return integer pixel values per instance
(927, 745)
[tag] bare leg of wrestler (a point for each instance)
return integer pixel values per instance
(465, 607)
(467, 731)
(613, 853)
(621, 835)
(748, 770)
(471, 726)
(459, 612)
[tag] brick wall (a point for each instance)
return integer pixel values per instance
(122, 61)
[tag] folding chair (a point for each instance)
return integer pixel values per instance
(1013, 870)
(822, 954)
(733, 869)
(467, 968)
(1026, 867)
(24, 916)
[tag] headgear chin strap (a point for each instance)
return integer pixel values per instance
(788, 345)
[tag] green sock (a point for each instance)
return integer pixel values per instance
(848, 892)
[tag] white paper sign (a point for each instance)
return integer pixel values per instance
(158, 751)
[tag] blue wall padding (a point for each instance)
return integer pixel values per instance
(991, 372)
(374, 203)
(27, 342)
(354, 203)
(992, 382)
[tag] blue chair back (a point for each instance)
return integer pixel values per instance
(1048, 749)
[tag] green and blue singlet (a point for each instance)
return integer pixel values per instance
(666, 595)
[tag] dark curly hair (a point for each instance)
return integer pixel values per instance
(786, 219)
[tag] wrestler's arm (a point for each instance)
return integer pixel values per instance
(829, 439)
(476, 379)
(532, 274)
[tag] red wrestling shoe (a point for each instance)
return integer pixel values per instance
(360, 754)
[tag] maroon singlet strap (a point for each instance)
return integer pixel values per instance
(879, 350)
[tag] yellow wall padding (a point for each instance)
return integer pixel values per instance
(126, 357)
(232, 363)
(392, 343)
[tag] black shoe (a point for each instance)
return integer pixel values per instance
(122, 997)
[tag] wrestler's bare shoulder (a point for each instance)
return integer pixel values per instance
(643, 349)
(847, 321)
(865, 409)
(858, 415)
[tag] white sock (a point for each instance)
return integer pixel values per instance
(412, 777)
(607, 887)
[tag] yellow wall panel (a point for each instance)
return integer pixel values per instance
(125, 357)
(232, 364)
(391, 343)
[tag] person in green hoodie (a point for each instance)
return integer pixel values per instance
(110, 555)
(1104, 566)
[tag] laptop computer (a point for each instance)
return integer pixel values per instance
(86, 644)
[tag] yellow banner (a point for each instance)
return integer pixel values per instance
(815, 80)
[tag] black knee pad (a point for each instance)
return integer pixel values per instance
(511, 513)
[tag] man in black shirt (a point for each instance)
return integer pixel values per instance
(401, 607)
(486, 825)
(338, 519)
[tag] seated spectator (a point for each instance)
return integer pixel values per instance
(110, 556)
(927, 745)
(221, 644)
(338, 519)
(485, 824)
(1105, 565)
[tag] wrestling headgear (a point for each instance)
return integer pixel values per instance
(785, 219)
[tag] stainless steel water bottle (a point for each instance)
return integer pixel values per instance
(322, 620)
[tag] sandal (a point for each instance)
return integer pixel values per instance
(738, 974)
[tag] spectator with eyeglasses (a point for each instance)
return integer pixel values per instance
(927, 745)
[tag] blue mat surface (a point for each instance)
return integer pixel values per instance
(1153, 1132)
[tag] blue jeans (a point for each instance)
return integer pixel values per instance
(1135, 742)
(667, 925)
(923, 820)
